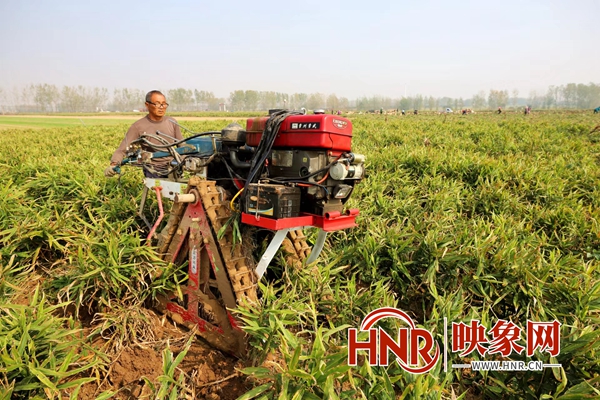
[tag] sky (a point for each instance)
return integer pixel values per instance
(348, 48)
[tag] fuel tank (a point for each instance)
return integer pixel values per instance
(319, 131)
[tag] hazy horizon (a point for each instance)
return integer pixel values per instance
(351, 49)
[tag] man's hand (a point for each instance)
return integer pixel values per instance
(109, 171)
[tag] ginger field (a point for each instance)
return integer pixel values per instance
(462, 218)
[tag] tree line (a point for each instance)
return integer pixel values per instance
(47, 98)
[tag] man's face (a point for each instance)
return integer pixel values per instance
(157, 106)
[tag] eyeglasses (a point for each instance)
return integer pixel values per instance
(159, 105)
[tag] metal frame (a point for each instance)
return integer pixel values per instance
(329, 222)
(270, 252)
(194, 229)
(275, 244)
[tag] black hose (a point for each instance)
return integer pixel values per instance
(236, 162)
(142, 139)
(232, 172)
(265, 145)
(158, 146)
(288, 179)
(198, 135)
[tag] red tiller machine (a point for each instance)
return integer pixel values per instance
(283, 173)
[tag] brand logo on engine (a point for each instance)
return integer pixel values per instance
(305, 125)
(338, 123)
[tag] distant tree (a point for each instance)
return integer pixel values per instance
(237, 100)
(479, 102)
(27, 99)
(361, 103)
(497, 98)
(404, 103)
(14, 98)
(127, 99)
(283, 100)
(251, 98)
(268, 100)
(82, 99)
(72, 99)
(298, 100)
(595, 94)
(387, 102)
(204, 100)
(96, 99)
(515, 97)
(344, 103)
(569, 94)
(446, 102)
(214, 104)
(493, 99)
(333, 103)
(418, 102)
(315, 101)
(551, 98)
(583, 96)
(46, 97)
(534, 100)
(431, 103)
(207, 100)
(180, 99)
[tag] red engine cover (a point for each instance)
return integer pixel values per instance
(319, 131)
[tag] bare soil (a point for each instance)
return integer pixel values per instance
(209, 373)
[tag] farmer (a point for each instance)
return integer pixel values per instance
(597, 110)
(499, 110)
(150, 124)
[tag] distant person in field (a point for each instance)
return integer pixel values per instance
(499, 110)
(403, 112)
(597, 110)
(416, 112)
(156, 103)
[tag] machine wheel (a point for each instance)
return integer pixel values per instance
(295, 248)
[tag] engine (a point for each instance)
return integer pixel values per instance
(309, 166)
(285, 164)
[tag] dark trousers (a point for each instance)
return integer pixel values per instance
(153, 175)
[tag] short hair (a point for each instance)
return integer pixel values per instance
(152, 92)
